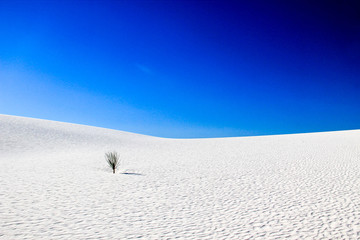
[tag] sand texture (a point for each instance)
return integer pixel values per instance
(55, 184)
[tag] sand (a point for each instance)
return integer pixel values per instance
(55, 184)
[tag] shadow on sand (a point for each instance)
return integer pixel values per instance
(132, 173)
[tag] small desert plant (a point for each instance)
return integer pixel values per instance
(112, 158)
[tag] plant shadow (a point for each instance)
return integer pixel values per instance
(133, 173)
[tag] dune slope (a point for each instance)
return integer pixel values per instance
(55, 185)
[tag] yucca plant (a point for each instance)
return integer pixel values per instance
(112, 158)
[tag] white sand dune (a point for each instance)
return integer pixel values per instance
(54, 184)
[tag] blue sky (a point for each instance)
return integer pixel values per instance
(183, 68)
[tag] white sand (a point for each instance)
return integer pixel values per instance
(54, 184)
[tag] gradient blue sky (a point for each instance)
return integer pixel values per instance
(183, 68)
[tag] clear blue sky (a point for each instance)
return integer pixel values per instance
(183, 68)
